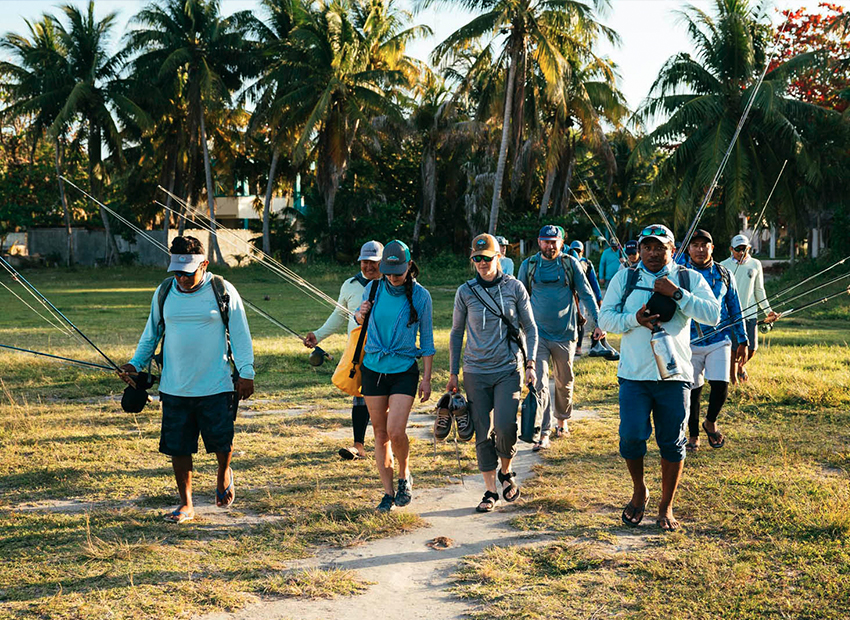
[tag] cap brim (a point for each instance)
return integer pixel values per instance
(374, 259)
(489, 253)
(393, 269)
(549, 238)
(191, 266)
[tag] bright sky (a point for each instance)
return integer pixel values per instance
(648, 29)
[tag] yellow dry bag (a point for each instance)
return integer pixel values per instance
(347, 374)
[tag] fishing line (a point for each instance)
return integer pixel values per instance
(761, 215)
(58, 326)
(728, 153)
(822, 300)
(611, 232)
(58, 357)
(55, 309)
(264, 259)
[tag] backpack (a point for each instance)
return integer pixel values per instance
(632, 279)
(533, 263)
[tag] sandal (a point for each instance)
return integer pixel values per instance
(349, 454)
(511, 492)
(179, 516)
(667, 524)
(221, 499)
(715, 440)
(634, 520)
(691, 446)
(488, 503)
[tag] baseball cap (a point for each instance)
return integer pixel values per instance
(371, 250)
(577, 245)
(631, 247)
(701, 233)
(395, 257)
(186, 262)
(485, 245)
(657, 231)
(739, 240)
(502, 241)
(551, 231)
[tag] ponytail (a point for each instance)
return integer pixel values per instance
(412, 274)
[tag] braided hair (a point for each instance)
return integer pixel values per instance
(412, 273)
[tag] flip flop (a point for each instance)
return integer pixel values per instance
(179, 516)
(221, 496)
(349, 454)
(715, 440)
(636, 510)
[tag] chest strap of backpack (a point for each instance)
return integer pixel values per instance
(632, 277)
(534, 261)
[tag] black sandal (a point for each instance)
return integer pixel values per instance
(715, 440)
(488, 503)
(512, 487)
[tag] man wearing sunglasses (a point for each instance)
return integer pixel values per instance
(645, 399)
(193, 314)
(553, 279)
(749, 276)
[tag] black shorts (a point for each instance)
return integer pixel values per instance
(383, 384)
(184, 417)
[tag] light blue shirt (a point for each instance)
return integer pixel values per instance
(507, 265)
(385, 315)
(195, 348)
(609, 264)
(636, 358)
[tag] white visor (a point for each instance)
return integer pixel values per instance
(186, 262)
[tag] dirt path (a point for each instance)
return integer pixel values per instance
(411, 580)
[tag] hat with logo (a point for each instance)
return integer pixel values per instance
(186, 262)
(701, 233)
(502, 241)
(395, 258)
(657, 231)
(550, 231)
(739, 240)
(371, 250)
(631, 247)
(485, 245)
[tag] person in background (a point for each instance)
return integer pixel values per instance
(749, 276)
(390, 373)
(609, 264)
(351, 296)
(631, 249)
(598, 348)
(505, 261)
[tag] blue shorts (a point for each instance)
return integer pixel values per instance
(185, 417)
(667, 402)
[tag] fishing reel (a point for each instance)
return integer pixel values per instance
(765, 327)
(318, 356)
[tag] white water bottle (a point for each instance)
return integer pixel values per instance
(663, 350)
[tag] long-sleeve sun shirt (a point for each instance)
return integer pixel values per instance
(390, 342)
(636, 358)
(195, 348)
(749, 277)
(488, 348)
(730, 307)
(350, 296)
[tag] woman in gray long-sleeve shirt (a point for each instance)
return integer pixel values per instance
(492, 363)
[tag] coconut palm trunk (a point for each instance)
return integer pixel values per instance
(547, 193)
(214, 250)
(66, 211)
(503, 148)
(95, 164)
(267, 204)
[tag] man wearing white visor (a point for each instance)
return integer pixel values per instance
(207, 362)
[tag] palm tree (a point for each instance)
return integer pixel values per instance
(33, 82)
(701, 99)
(526, 31)
(188, 46)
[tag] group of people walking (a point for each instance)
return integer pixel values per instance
(506, 332)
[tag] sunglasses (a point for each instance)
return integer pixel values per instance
(652, 231)
(741, 248)
(184, 274)
(479, 258)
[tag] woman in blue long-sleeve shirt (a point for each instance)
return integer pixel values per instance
(390, 372)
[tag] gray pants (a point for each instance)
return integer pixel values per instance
(494, 401)
(561, 356)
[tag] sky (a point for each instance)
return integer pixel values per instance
(648, 29)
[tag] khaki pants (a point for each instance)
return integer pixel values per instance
(560, 355)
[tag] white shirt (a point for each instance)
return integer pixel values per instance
(749, 277)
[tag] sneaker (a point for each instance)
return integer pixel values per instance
(443, 423)
(598, 349)
(543, 444)
(386, 503)
(465, 428)
(562, 432)
(402, 494)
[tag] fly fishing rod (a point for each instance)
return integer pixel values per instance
(58, 357)
(761, 215)
(259, 256)
(25, 282)
(586, 214)
(611, 232)
(822, 300)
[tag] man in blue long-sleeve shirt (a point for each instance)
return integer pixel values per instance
(197, 388)
(711, 348)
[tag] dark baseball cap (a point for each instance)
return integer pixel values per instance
(631, 247)
(395, 258)
(550, 231)
(701, 233)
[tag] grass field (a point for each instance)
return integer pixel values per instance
(82, 488)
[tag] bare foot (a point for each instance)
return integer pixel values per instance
(666, 521)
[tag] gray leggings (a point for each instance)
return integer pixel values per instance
(494, 401)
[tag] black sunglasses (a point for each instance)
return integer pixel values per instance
(741, 248)
(184, 274)
(481, 257)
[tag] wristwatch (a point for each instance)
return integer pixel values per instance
(678, 294)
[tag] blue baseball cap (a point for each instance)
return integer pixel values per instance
(395, 258)
(631, 247)
(551, 231)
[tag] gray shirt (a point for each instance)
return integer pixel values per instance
(552, 297)
(487, 346)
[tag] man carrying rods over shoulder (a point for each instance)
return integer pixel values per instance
(711, 350)
(202, 324)
(351, 296)
(652, 306)
(749, 278)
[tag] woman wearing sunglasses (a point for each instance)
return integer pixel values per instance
(390, 372)
(490, 308)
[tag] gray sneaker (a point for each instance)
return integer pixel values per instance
(386, 503)
(402, 494)
(543, 444)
